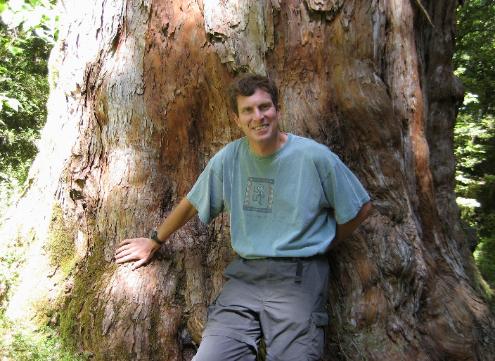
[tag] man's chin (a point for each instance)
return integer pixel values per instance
(261, 138)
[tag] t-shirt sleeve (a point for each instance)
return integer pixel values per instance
(207, 193)
(344, 192)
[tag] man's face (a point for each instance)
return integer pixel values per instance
(258, 118)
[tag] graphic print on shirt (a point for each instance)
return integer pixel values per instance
(259, 195)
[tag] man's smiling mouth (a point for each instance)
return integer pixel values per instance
(261, 126)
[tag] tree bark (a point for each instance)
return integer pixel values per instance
(138, 106)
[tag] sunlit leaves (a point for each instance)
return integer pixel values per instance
(12, 103)
(33, 17)
(475, 48)
(23, 85)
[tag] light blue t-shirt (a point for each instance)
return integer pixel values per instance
(283, 205)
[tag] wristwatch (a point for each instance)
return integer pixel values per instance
(154, 237)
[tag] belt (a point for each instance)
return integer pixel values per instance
(299, 260)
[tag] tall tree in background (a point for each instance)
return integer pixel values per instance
(139, 105)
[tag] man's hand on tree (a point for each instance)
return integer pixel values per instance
(140, 250)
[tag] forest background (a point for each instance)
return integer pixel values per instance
(27, 34)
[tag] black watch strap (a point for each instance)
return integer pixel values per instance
(154, 237)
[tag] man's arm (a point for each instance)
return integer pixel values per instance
(345, 230)
(142, 249)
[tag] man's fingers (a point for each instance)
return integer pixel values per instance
(123, 254)
(139, 263)
(123, 248)
(127, 258)
(124, 242)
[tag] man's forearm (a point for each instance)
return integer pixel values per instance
(345, 230)
(176, 219)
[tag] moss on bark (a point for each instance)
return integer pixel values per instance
(60, 244)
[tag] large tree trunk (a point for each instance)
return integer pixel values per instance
(138, 106)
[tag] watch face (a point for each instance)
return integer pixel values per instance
(154, 236)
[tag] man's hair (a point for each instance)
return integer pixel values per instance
(246, 85)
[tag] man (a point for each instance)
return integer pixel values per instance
(290, 200)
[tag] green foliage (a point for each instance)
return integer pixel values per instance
(26, 37)
(475, 127)
(35, 18)
(485, 252)
(474, 150)
(474, 54)
(44, 344)
(23, 113)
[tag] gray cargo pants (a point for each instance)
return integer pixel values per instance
(281, 300)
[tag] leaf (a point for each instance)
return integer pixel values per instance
(14, 50)
(12, 103)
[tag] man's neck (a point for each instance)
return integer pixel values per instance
(265, 150)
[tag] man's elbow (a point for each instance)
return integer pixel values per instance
(365, 211)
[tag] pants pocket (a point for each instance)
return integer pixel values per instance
(319, 320)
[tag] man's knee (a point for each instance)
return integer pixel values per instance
(221, 348)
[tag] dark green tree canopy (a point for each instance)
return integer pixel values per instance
(475, 128)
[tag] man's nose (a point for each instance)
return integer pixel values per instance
(258, 114)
